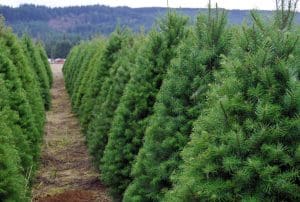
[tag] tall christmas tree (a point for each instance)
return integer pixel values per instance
(109, 96)
(90, 53)
(16, 55)
(40, 70)
(245, 146)
(179, 102)
(45, 61)
(88, 77)
(107, 59)
(136, 105)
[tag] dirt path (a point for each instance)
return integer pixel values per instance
(66, 173)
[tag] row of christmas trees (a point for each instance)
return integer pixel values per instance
(205, 112)
(25, 79)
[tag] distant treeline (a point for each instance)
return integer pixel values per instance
(68, 25)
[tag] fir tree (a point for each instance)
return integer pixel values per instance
(105, 105)
(245, 147)
(69, 65)
(88, 78)
(109, 97)
(21, 120)
(12, 179)
(179, 102)
(135, 107)
(76, 67)
(39, 69)
(108, 58)
(44, 58)
(29, 137)
(88, 74)
(90, 52)
(26, 74)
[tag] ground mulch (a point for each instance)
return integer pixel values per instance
(66, 173)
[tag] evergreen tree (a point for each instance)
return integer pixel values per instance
(76, 67)
(109, 97)
(12, 182)
(179, 102)
(44, 58)
(88, 74)
(39, 69)
(108, 58)
(21, 120)
(69, 65)
(245, 146)
(29, 137)
(26, 74)
(135, 107)
(90, 52)
(88, 78)
(12, 179)
(105, 105)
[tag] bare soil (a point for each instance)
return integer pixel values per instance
(66, 173)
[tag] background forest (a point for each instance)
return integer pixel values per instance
(61, 28)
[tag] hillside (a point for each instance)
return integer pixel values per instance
(88, 20)
(68, 25)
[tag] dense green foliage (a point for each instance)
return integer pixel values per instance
(76, 62)
(136, 105)
(245, 147)
(41, 71)
(22, 116)
(204, 112)
(85, 62)
(89, 84)
(46, 64)
(180, 100)
(108, 58)
(12, 180)
(109, 96)
(87, 77)
(26, 73)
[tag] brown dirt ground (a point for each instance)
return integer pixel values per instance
(66, 173)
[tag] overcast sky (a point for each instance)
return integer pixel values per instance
(229, 4)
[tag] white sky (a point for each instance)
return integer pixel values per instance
(229, 4)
